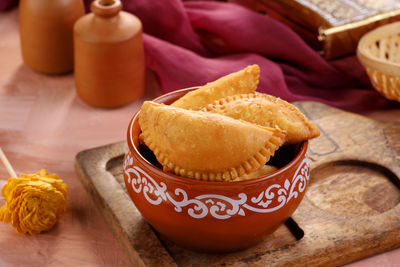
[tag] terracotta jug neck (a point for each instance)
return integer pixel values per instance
(106, 8)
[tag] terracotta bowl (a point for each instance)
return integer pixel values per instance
(214, 216)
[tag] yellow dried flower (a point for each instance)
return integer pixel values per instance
(34, 202)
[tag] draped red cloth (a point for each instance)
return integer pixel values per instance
(194, 42)
(7, 4)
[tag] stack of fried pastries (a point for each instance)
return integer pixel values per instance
(223, 131)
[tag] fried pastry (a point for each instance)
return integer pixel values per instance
(241, 82)
(269, 111)
(204, 145)
(262, 171)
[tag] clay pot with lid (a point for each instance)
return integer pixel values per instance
(46, 29)
(109, 56)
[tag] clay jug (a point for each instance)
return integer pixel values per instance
(46, 30)
(109, 61)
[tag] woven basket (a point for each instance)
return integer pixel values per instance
(379, 52)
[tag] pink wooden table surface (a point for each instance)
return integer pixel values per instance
(44, 125)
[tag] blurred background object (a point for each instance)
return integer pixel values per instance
(46, 33)
(109, 56)
(332, 27)
(7, 4)
(378, 51)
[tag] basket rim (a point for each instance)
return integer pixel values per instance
(373, 62)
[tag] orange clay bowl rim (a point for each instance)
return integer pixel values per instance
(374, 62)
(189, 181)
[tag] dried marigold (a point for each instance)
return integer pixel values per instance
(34, 202)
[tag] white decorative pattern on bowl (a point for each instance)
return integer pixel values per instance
(218, 206)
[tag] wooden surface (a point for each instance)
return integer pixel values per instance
(44, 125)
(351, 209)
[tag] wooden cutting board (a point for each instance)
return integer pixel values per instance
(351, 209)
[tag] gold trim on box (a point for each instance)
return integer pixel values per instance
(342, 40)
(360, 23)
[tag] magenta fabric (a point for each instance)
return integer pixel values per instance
(191, 43)
(194, 42)
(7, 4)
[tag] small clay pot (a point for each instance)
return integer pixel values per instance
(214, 216)
(109, 56)
(46, 28)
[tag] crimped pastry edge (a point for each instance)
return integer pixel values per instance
(253, 163)
(312, 129)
